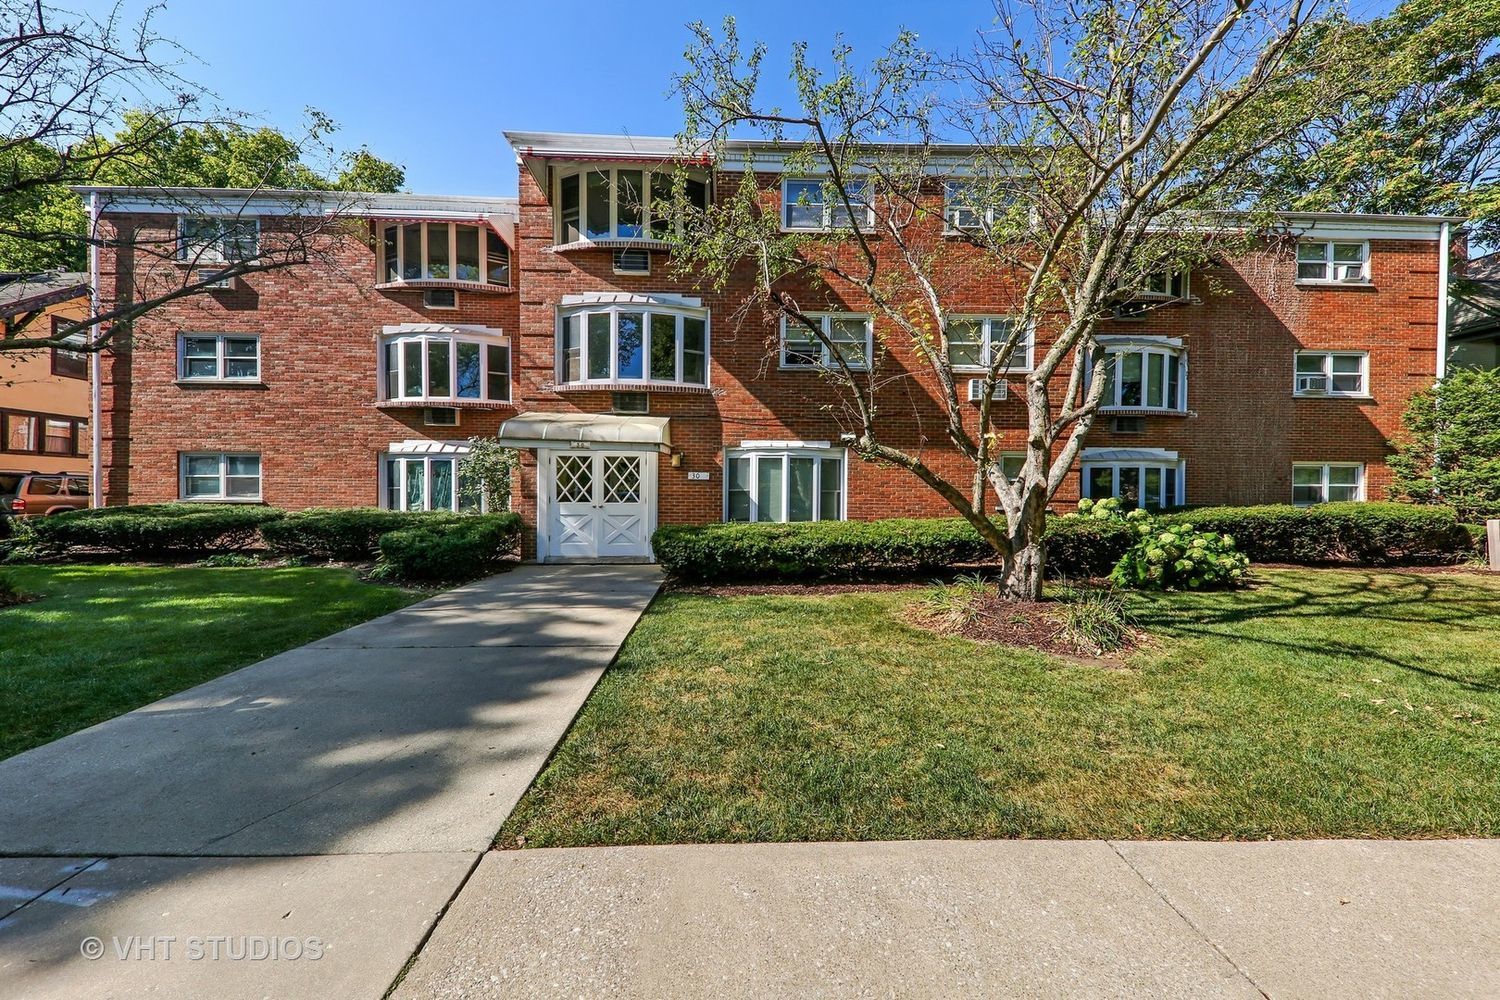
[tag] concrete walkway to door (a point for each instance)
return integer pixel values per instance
(337, 794)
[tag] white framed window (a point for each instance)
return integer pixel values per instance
(851, 334)
(633, 343)
(973, 341)
(423, 482)
(1155, 480)
(1333, 261)
(961, 209)
(1331, 373)
(1163, 285)
(218, 357)
(784, 484)
(217, 238)
(1144, 376)
(619, 203)
(812, 204)
(1327, 482)
(1011, 463)
(444, 251)
(442, 367)
(219, 475)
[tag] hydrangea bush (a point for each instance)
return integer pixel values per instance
(1169, 556)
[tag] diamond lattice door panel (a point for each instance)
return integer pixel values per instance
(622, 479)
(575, 479)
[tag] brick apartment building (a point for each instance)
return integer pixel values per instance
(637, 399)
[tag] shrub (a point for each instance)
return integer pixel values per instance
(1177, 556)
(1358, 532)
(150, 529)
(451, 547)
(348, 534)
(229, 560)
(823, 550)
(1449, 449)
(1095, 620)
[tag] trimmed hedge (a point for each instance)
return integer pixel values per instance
(825, 550)
(1373, 533)
(151, 529)
(451, 547)
(347, 534)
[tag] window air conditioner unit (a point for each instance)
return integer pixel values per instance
(1354, 273)
(976, 390)
(212, 278)
(1312, 383)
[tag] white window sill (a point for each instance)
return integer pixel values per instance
(1141, 411)
(611, 243)
(419, 284)
(1331, 395)
(973, 372)
(239, 500)
(820, 368)
(416, 402)
(1365, 285)
(221, 383)
(627, 385)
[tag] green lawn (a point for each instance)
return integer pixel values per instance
(105, 639)
(1317, 703)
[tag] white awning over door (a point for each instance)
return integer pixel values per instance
(584, 430)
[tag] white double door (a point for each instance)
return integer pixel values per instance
(600, 504)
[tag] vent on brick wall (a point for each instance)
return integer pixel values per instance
(630, 402)
(632, 262)
(1001, 390)
(212, 278)
(440, 416)
(440, 298)
(1128, 425)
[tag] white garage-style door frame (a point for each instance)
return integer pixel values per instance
(596, 483)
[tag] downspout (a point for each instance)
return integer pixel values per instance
(1442, 297)
(96, 376)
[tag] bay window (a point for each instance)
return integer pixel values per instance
(1144, 376)
(424, 482)
(849, 336)
(219, 476)
(791, 484)
(444, 367)
(813, 204)
(1333, 261)
(1137, 478)
(444, 251)
(973, 342)
(633, 343)
(1331, 373)
(620, 203)
(1327, 482)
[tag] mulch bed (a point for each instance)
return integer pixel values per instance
(791, 589)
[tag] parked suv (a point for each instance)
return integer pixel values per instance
(36, 494)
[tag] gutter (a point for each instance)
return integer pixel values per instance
(96, 376)
(1442, 297)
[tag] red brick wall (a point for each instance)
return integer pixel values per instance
(314, 423)
(319, 433)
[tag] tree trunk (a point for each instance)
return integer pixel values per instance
(1022, 580)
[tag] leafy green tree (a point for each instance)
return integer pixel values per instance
(1093, 129)
(1449, 452)
(1422, 135)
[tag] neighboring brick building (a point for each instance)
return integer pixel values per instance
(44, 394)
(635, 396)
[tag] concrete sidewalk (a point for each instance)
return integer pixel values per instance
(971, 919)
(339, 792)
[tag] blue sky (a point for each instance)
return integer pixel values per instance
(432, 85)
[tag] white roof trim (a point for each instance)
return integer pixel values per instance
(274, 201)
(422, 446)
(632, 298)
(565, 430)
(1127, 455)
